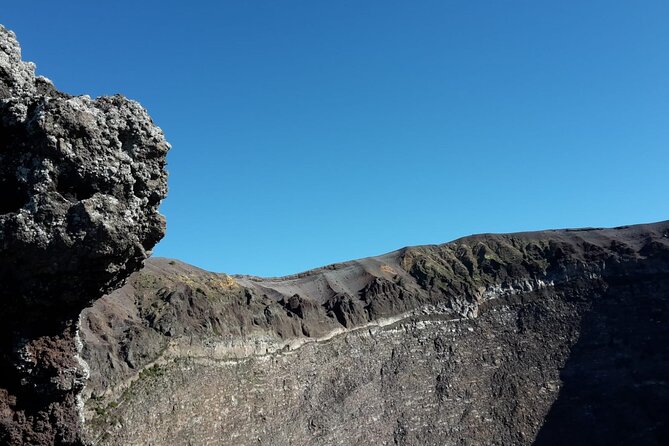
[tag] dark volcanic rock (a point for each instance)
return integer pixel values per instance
(552, 337)
(80, 185)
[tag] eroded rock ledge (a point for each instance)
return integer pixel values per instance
(544, 337)
(80, 185)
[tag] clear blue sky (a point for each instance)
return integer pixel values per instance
(310, 132)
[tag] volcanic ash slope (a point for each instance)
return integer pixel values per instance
(554, 337)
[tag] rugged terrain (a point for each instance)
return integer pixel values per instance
(80, 185)
(553, 337)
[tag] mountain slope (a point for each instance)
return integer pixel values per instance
(492, 339)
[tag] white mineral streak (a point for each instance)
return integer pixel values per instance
(85, 370)
(520, 286)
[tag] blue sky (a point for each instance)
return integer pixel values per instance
(310, 132)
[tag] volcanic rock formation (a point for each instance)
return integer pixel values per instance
(80, 185)
(552, 337)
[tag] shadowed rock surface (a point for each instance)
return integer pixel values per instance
(552, 337)
(80, 185)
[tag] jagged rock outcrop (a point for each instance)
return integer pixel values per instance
(553, 337)
(80, 185)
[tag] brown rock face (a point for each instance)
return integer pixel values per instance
(80, 185)
(546, 338)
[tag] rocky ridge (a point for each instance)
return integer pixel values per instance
(484, 340)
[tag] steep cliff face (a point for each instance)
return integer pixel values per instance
(554, 337)
(80, 184)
